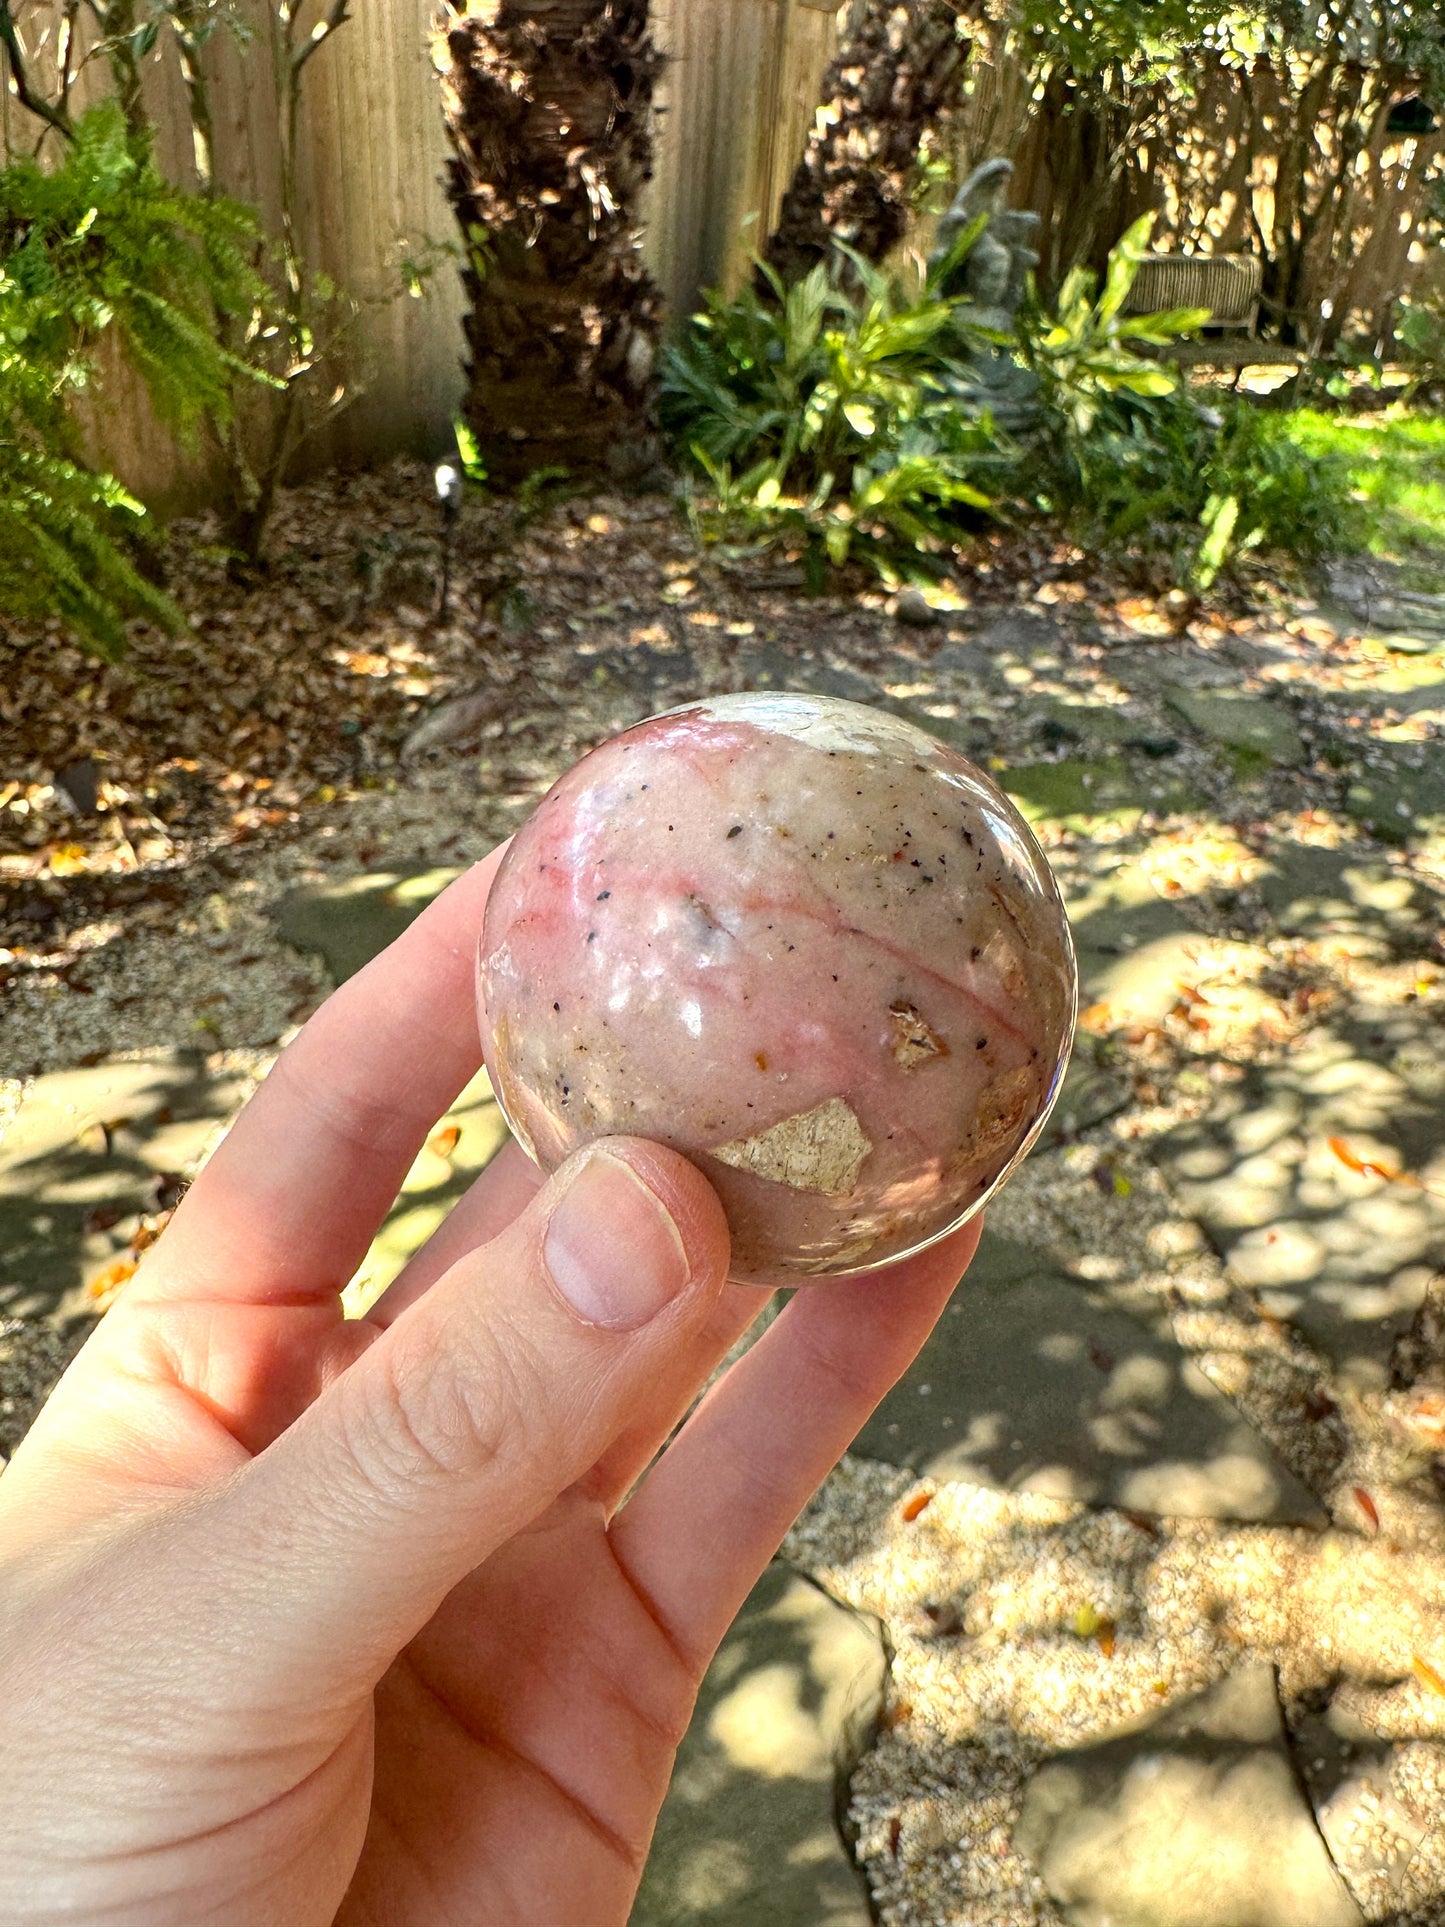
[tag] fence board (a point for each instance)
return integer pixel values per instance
(737, 98)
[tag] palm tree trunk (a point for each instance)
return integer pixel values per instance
(895, 79)
(547, 105)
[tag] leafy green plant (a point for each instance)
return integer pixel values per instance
(64, 549)
(855, 421)
(100, 244)
(1188, 489)
(469, 453)
(1133, 462)
(1420, 331)
(1394, 465)
(1081, 354)
(840, 418)
(103, 242)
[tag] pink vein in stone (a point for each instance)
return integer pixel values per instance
(677, 883)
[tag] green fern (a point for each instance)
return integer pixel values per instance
(102, 244)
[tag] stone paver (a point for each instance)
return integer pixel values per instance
(1346, 899)
(1251, 728)
(1034, 1383)
(1194, 1820)
(1401, 796)
(352, 921)
(1077, 790)
(748, 1836)
(87, 1154)
(1344, 1254)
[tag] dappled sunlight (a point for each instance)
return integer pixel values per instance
(458, 1150)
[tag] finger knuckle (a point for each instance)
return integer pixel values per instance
(436, 1420)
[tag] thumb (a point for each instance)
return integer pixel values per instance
(467, 1417)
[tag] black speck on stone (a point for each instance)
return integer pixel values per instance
(603, 895)
(736, 830)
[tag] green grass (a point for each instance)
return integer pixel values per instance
(1396, 462)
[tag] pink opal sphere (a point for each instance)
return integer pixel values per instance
(804, 943)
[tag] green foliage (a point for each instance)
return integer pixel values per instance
(100, 243)
(838, 416)
(64, 549)
(1190, 489)
(1131, 461)
(1420, 331)
(1081, 355)
(103, 242)
(1128, 44)
(1394, 464)
(469, 453)
(856, 424)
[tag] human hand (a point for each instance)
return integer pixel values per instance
(307, 1620)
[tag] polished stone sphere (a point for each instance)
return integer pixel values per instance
(804, 943)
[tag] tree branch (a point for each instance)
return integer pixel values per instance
(323, 30)
(20, 79)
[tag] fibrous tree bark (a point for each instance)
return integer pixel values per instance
(548, 109)
(897, 78)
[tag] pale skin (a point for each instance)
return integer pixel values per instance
(398, 1622)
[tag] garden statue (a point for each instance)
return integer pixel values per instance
(994, 269)
(987, 286)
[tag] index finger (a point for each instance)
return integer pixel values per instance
(285, 1210)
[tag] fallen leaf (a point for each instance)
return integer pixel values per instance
(920, 1502)
(1367, 1506)
(1097, 1019)
(1427, 1675)
(106, 1283)
(150, 1229)
(443, 1142)
(1105, 1637)
(66, 860)
(1363, 1165)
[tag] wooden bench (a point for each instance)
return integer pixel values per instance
(1229, 286)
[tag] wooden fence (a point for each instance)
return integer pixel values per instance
(740, 87)
(1205, 164)
(736, 101)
